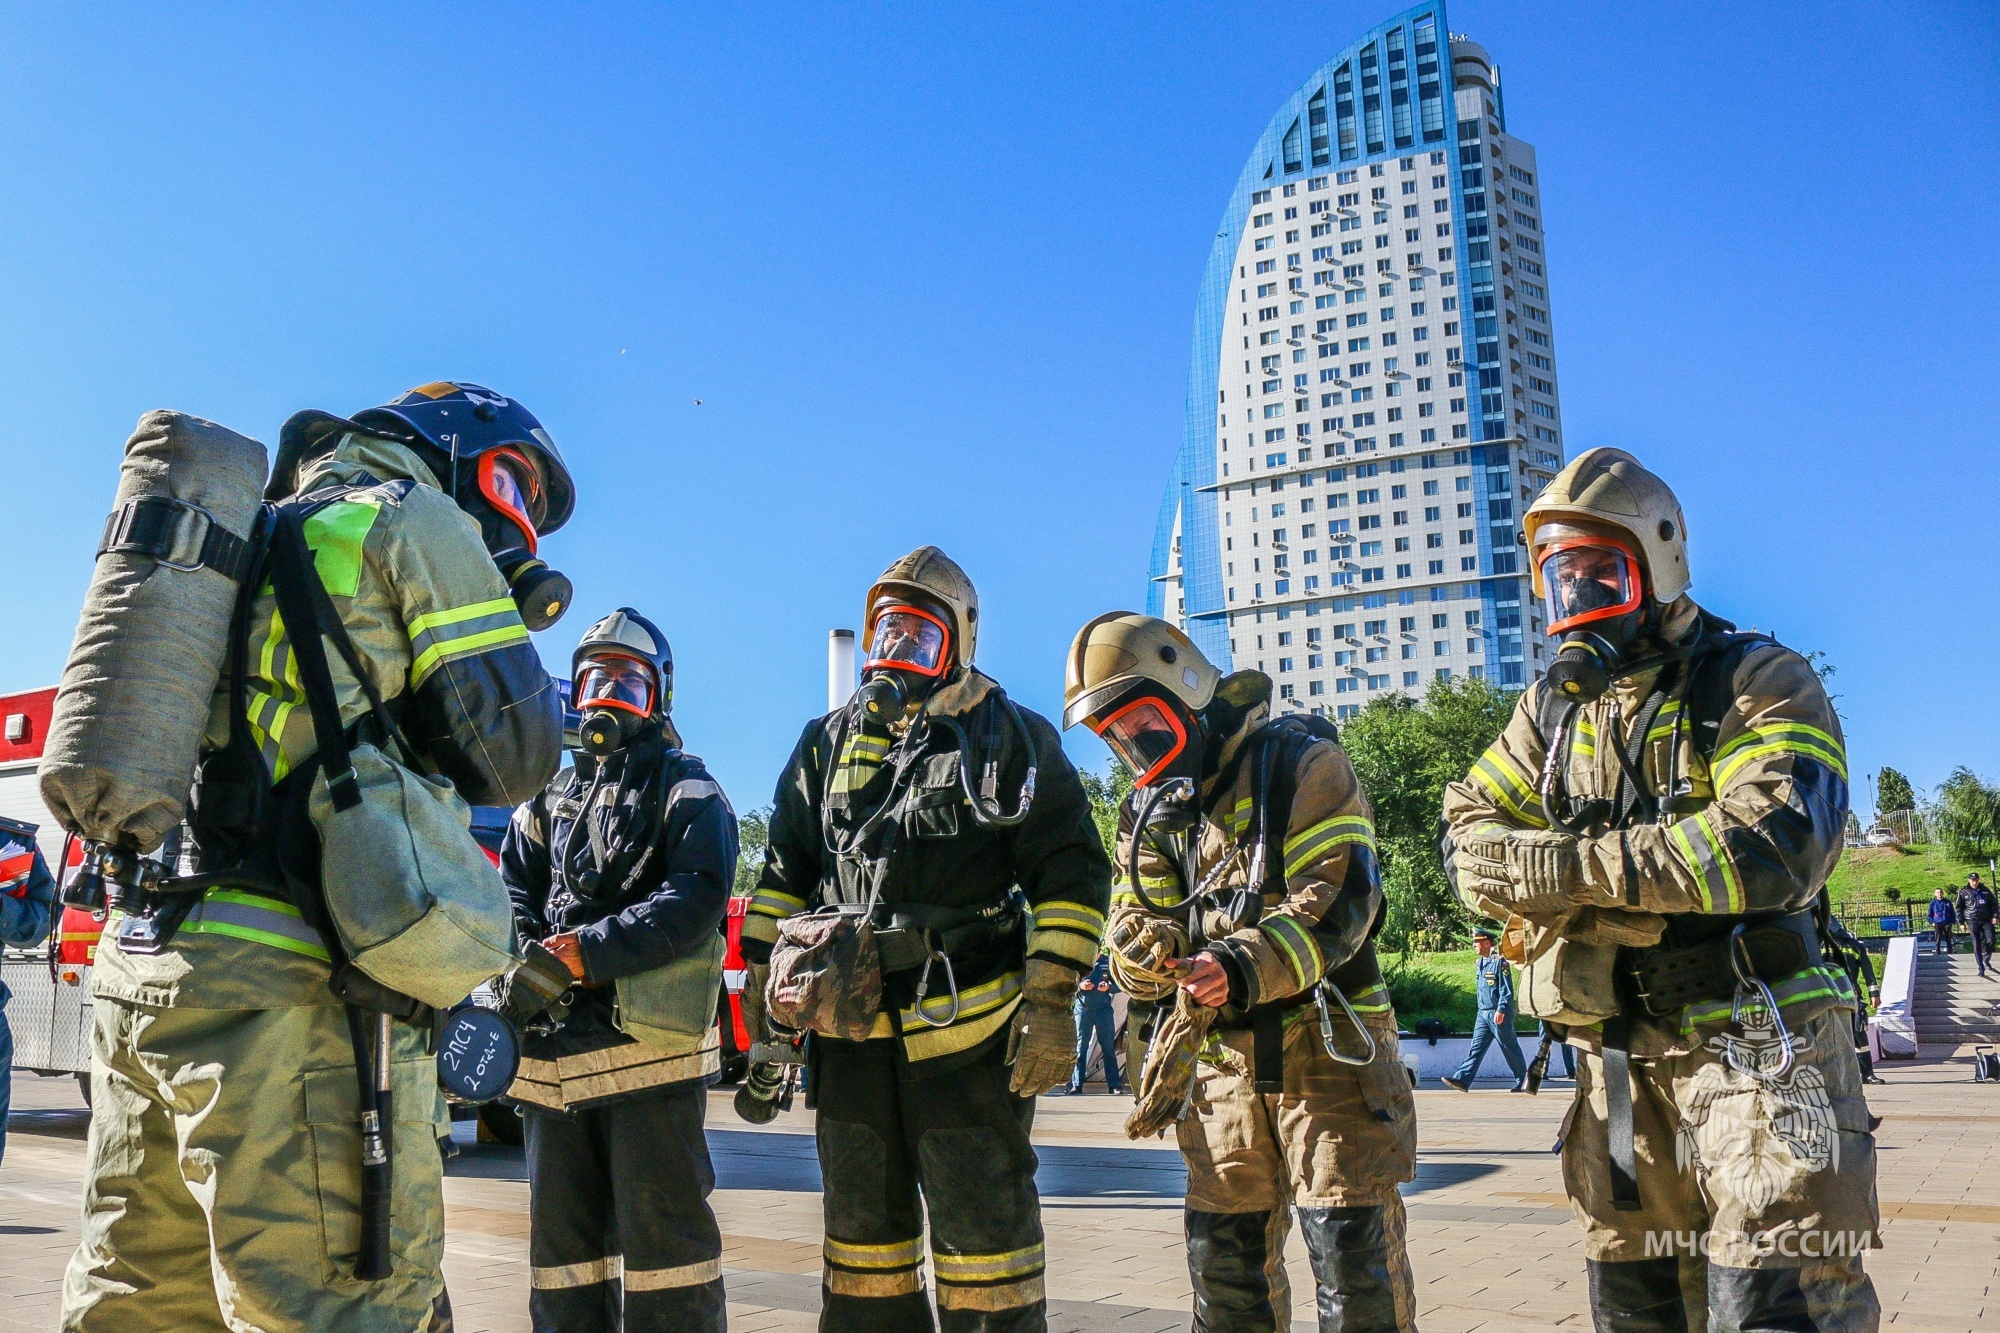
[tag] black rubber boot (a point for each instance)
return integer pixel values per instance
(1226, 1258)
(1639, 1297)
(1830, 1296)
(1350, 1263)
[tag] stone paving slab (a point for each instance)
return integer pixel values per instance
(1492, 1242)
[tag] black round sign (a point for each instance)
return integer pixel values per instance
(478, 1053)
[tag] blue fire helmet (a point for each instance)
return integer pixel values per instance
(463, 421)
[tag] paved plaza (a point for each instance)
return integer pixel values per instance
(1491, 1239)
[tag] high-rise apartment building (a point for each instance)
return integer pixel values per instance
(1372, 400)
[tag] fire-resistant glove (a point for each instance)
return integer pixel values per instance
(1141, 948)
(1536, 872)
(757, 977)
(1042, 1045)
(534, 986)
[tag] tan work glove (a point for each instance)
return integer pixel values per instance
(1536, 872)
(1140, 949)
(1042, 1045)
(1167, 1080)
(758, 978)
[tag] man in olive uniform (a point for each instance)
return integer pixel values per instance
(1658, 820)
(953, 810)
(224, 1177)
(1300, 1100)
(622, 869)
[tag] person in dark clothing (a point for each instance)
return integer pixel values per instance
(1493, 984)
(622, 869)
(1860, 970)
(1095, 1017)
(1978, 910)
(950, 815)
(1943, 918)
(1568, 1054)
(27, 905)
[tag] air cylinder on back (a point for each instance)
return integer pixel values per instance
(153, 638)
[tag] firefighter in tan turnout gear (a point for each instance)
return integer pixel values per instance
(1656, 825)
(226, 1176)
(1245, 899)
(933, 888)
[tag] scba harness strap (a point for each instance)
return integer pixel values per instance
(1680, 970)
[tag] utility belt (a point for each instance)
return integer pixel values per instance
(909, 937)
(1704, 957)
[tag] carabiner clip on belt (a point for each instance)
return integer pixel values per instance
(1326, 1025)
(1747, 981)
(924, 988)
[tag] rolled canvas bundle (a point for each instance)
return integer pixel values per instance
(153, 638)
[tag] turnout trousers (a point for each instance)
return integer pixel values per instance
(223, 1190)
(1334, 1145)
(960, 1141)
(1756, 1190)
(620, 1234)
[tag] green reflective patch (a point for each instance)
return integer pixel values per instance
(335, 535)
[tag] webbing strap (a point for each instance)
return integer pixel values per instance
(1267, 1047)
(1618, 1115)
(166, 529)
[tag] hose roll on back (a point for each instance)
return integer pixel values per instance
(153, 638)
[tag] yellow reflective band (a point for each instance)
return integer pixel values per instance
(1790, 738)
(257, 901)
(1663, 721)
(981, 999)
(1300, 949)
(989, 1267)
(431, 658)
(335, 535)
(1304, 848)
(770, 902)
(896, 1254)
(1074, 915)
(1510, 789)
(459, 614)
(1065, 944)
(927, 1043)
(670, 1279)
(1703, 852)
(1374, 1000)
(1164, 895)
(1694, 864)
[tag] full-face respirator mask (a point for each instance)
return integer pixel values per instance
(1597, 602)
(908, 654)
(508, 504)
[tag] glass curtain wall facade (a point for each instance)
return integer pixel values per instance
(1372, 398)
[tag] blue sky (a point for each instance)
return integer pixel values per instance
(931, 272)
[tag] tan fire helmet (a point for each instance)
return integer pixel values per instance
(927, 575)
(1608, 488)
(1123, 648)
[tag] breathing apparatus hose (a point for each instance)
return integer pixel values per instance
(986, 810)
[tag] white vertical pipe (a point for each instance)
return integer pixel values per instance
(839, 668)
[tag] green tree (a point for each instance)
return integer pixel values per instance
(753, 831)
(1405, 752)
(1967, 816)
(1105, 792)
(1893, 792)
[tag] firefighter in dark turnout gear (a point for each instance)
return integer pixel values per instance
(622, 869)
(1293, 1093)
(938, 799)
(225, 1149)
(1656, 824)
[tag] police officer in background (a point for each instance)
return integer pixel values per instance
(225, 1145)
(933, 796)
(27, 905)
(622, 869)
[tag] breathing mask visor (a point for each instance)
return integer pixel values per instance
(616, 695)
(1146, 734)
(512, 505)
(1595, 600)
(907, 653)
